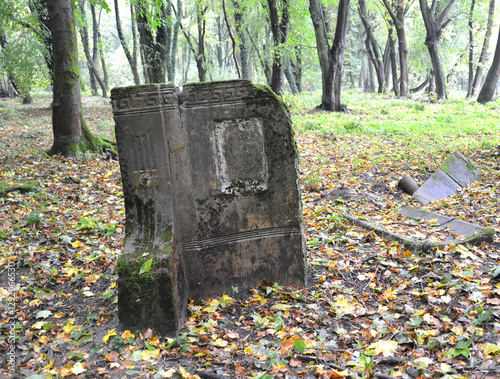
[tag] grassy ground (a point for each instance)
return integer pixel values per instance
(371, 307)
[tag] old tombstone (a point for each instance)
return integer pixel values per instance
(454, 174)
(238, 209)
(151, 282)
(216, 168)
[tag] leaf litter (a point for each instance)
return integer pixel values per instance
(371, 308)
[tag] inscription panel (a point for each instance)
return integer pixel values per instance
(240, 156)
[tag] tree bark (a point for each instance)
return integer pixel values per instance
(331, 58)
(239, 19)
(153, 45)
(490, 84)
(131, 61)
(71, 133)
(434, 26)
(484, 51)
(279, 29)
(471, 50)
(372, 47)
(398, 20)
(39, 8)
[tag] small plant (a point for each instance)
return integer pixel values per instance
(35, 218)
(87, 224)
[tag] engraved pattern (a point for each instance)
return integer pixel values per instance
(223, 94)
(143, 99)
(241, 159)
(240, 237)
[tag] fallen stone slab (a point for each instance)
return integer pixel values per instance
(470, 234)
(454, 174)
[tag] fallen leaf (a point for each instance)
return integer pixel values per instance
(384, 347)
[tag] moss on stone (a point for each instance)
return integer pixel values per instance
(18, 185)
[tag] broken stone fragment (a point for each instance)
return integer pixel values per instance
(454, 174)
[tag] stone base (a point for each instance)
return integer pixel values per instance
(154, 299)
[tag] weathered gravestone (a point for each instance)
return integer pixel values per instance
(454, 174)
(151, 281)
(225, 165)
(237, 201)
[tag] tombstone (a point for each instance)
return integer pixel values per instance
(454, 174)
(213, 169)
(155, 298)
(237, 201)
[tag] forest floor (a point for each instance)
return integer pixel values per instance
(371, 309)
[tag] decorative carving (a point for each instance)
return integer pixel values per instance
(224, 93)
(144, 99)
(145, 179)
(240, 156)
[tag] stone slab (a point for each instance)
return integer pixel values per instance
(238, 208)
(438, 186)
(210, 180)
(458, 227)
(157, 298)
(460, 169)
(454, 174)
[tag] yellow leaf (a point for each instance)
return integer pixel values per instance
(389, 294)
(3, 292)
(77, 244)
(68, 327)
(146, 355)
(384, 347)
(489, 349)
(208, 310)
(111, 332)
(169, 373)
(43, 340)
(220, 342)
(38, 325)
(78, 368)
(59, 315)
(35, 302)
(248, 351)
(126, 335)
(49, 366)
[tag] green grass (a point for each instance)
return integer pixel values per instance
(410, 118)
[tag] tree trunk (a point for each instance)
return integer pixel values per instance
(239, 19)
(290, 77)
(39, 8)
(490, 84)
(280, 29)
(297, 68)
(154, 46)
(394, 66)
(71, 133)
(434, 26)
(173, 32)
(200, 58)
(131, 62)
(331, 59)
(372, 47)
(471, 50)
(484, 51)
(398, 19)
